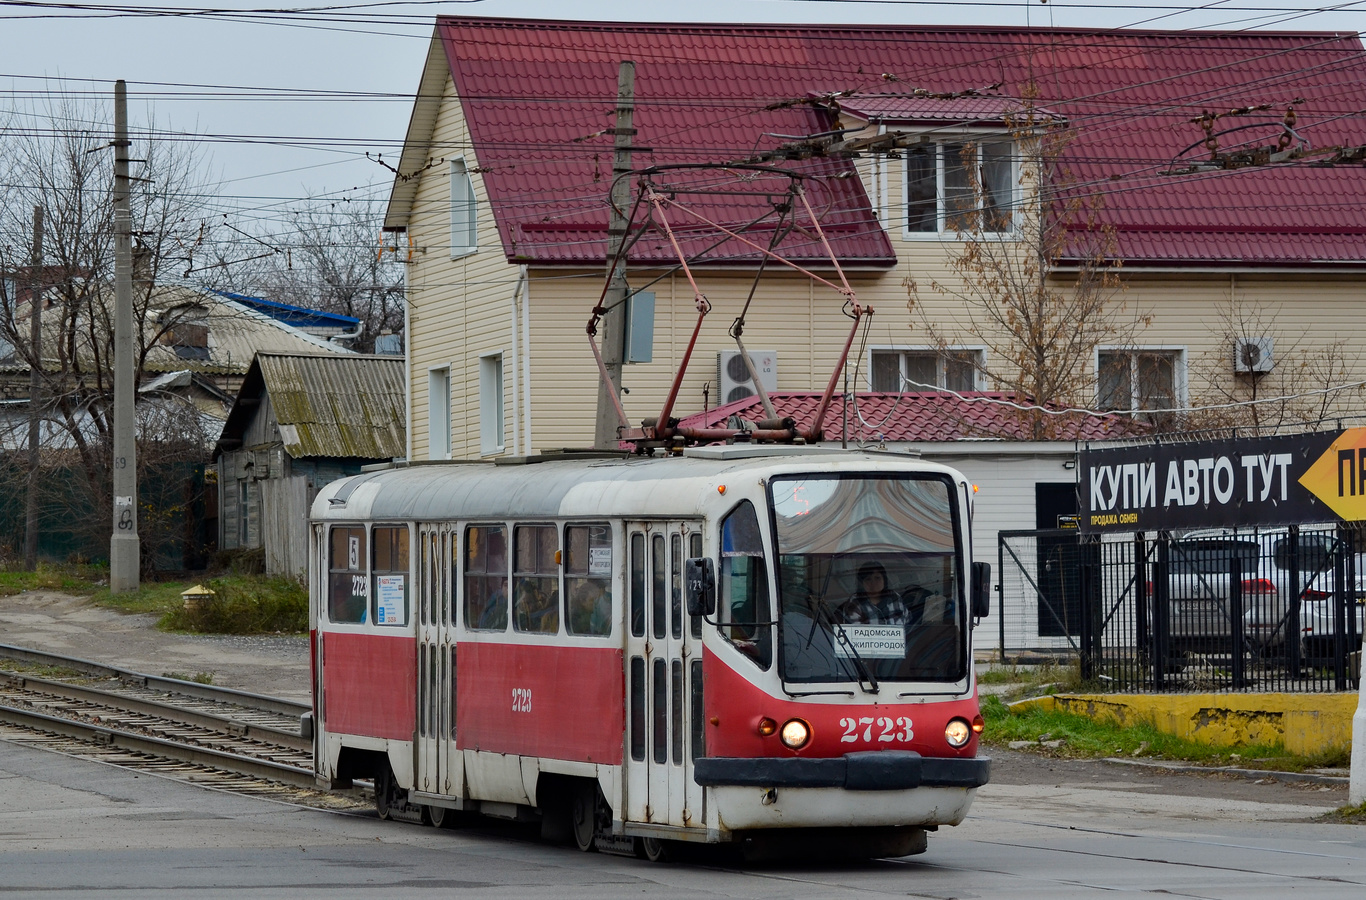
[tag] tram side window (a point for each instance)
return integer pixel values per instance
(486, 578)
(536, 579)
(588, 579)
(389, 575)
(347, 587)
(743, 614)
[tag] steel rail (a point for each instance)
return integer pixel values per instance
(208, 721)
(160, 747)
(259, 702)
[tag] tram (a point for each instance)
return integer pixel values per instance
(757, 644)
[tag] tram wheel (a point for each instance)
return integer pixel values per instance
(384, 787)
(583, 818)
(435, 816)
(655, 850)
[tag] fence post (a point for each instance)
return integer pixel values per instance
(1339, 609)
(1001, 592)
(1161, 610)
(1349, 603)
(1235, 615)
(1292, 613)
(1141, 626)
(1088, 659)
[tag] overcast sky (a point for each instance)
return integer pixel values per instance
(268, 150)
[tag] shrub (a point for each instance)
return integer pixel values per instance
(245, 606)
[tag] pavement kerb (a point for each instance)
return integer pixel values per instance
(1187, 769)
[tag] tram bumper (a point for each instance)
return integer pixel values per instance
(875, 788)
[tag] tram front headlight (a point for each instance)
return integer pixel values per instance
(958, 732)
(795, 734)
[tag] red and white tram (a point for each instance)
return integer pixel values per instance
(761, 644)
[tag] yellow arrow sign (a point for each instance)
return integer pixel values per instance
(1338, 477)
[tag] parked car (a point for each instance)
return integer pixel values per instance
(1316, 611)
(1198, 584)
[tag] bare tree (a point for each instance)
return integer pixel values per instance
(330, 256)
(1041, 321)
(58, 158)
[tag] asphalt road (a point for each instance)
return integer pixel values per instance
(70, 828)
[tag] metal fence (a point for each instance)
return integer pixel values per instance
(1272, 610)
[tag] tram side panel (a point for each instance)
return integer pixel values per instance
(552, 702)
(370, 686)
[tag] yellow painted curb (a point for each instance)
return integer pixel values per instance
(1302, 723)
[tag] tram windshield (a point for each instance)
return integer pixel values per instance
(870, 579)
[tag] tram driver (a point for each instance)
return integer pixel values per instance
(876, 603)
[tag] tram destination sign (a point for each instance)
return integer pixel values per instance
(1314, 477)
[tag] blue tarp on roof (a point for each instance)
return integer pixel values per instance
(296, 316)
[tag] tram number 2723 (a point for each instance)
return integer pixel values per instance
(521, 700)
(888, 730)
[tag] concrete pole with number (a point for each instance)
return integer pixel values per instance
(124, 546)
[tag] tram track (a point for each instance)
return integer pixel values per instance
(246, 743)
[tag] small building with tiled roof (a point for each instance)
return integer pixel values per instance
(299, 422)
(501, 206)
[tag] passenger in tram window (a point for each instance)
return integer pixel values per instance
(875, 603)
(590, 607)
(494, 616)
(537, 609)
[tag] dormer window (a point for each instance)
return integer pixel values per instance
(962, 186)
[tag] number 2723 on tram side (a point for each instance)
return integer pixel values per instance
(747, 645)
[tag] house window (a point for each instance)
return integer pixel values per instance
(1138, 379)
(439, 413)
(491, 403)
(925, 370)
(464, 211)
(961, 186)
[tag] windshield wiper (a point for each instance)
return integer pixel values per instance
(865, 672)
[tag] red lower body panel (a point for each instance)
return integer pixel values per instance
(369, 685)
(556, 702)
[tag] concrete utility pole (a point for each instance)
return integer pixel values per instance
(614, 320)
(35, 389)
(124, 546)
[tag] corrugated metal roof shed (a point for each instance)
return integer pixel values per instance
(538, 94)
(341, 406)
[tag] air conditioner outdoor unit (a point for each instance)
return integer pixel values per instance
(1253, 354)
(732, 375)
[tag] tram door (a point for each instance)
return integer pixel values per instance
(439, 765)
(660, 679)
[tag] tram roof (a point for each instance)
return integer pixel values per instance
(597, 487)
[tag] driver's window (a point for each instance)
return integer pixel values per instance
(743, 613)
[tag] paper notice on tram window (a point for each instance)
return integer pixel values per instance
(389, 605)
(872, 641)
(599, 560)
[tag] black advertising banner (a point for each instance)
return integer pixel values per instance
(1318, 477)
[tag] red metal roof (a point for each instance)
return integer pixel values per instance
(538, 95)
(928, 416)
